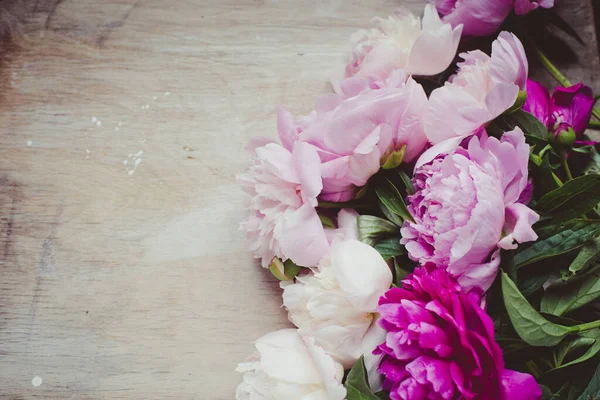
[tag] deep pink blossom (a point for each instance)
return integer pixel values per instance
(466, 206)
(523, 7)
(440, 344)
(567, 108)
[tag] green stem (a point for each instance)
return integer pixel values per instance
(348, 204)
(587, 326)
(565, 164)
(556, 74)
(542, 153)
(594, 125)
(560, 78)
(557, 180)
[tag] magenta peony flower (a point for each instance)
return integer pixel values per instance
(440, 345)
(479, 17)
(483, 89)
(469, 203)
(402, 41)
(523, 7)
(567, 108)
(283, 223)
(355, 134)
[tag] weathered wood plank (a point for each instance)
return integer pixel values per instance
(122, 273)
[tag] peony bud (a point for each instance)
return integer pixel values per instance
(564, 137)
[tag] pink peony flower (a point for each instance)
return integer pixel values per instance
(401, 41)
(469, 203)
(567, 108)
(523, 7)
(483, 88)
(289, 365)
(284, 185)
(479, 17)
(354, 135)
(440, 345)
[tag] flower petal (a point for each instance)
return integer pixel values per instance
(362, 273)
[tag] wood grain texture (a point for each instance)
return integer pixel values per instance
(118, 283)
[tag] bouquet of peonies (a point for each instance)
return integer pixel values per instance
(434, 224)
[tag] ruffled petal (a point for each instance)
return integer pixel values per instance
(517, 385)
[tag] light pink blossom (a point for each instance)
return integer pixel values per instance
(483, 88)
(283, 222)
(468, 204)
(353, 135)
(479, 17)
(402, 41)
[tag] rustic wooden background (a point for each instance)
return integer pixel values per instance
(122, 127)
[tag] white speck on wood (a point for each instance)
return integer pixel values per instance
(29, 143)
(133, 161)
(94, 120)
(37, 381)
(98, 123)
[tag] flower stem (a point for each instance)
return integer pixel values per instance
(594, 125)
(543, 152)
(557, 180)
(560, 78)
(587, 326)
(556, 74)
(348, 204)
(565, 164)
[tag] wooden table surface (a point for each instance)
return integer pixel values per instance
(123, 124)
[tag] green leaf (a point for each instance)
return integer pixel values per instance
(533, 284)
(382, 396)
(593, 166)
(390, 196)
(592, 392)
(546, 392)
(590, 353)
(558, 238)
(390, 247)
(357, 384)
(588, 254)
(390, 215)
(371, 228)
(410, 189)
(528, 323)
(399, 273)
(571, 297)
(543, 176)
(284, 271)
(530, 125)
(518, 104)
(574, 198)
(568, 346)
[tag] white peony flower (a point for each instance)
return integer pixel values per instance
(288, 365)
(402, 41)
(336, 303)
